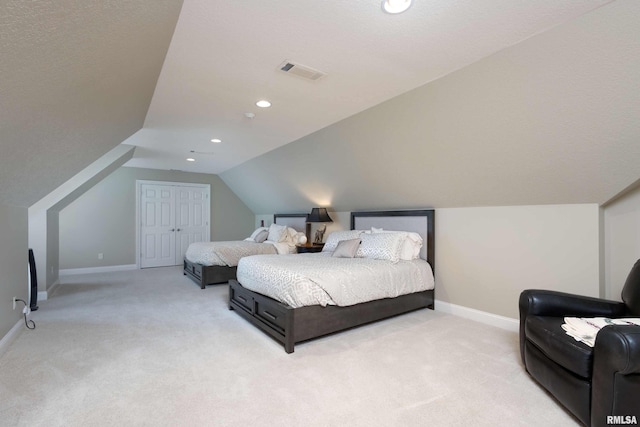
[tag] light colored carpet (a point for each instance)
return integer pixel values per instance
(149, 347)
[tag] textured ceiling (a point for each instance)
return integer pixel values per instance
(76, 79)
(224, 57)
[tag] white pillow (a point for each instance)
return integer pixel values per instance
(258, 234)
(336, 236)
(411, 243)
(277, 233)
(384, 246)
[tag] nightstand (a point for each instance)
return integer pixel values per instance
(309, 247)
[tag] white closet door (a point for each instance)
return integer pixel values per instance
(171, 217)
(157, 232)
(192, 218)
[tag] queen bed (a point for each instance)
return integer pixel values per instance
(295, 298)
(208, 263)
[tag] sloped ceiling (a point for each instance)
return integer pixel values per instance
(551, 120)
(76, 79)
(225, 55)
(548, 116)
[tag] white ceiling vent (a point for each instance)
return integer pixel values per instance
(301, 70)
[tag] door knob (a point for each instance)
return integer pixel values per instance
(178, 229)
(172, 229)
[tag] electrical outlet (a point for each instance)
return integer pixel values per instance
(14, 303)
(100, 255)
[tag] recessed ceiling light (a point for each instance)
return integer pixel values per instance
(263, 103)
(395, 6)
(190, 159)
(216, 140)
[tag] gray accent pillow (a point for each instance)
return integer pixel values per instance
(336, 236)
(261, 236)
(258, 236)
(346, 248)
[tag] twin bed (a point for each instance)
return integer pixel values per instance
(208, 263)
(294, 298)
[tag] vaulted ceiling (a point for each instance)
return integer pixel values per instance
(225, 56)
(551, 120)
(490, 102)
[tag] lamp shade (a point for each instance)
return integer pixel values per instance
(319, 215)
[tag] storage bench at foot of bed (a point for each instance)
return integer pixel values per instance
(293, 325)
(208, 275)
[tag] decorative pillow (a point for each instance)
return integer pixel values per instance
(411, 243)
(277, 233)
(336, 236)
(346, 248)
(411, 247)
(257, 233)
(262, 236)
(385, 246)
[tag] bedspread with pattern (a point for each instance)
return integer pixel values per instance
(319, 278)
(226, 253)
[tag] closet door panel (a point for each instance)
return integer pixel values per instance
(157, 228)
(192, 218)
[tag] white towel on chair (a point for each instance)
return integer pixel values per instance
(586, 329)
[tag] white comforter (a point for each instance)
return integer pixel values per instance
(319, 278)
(229, 253)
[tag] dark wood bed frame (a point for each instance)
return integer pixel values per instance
(293, 325)
(205, 275)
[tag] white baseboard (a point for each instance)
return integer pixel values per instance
(478, 316)
(13, 333)
(89, 270)
(44, 295)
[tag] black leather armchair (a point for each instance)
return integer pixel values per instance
(599, 385)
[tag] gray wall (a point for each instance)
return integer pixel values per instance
(103, 219)
(53, 243)
(13, 264)
(486, 256)
(622, 240)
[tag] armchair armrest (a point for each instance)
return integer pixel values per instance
(537, 302)
(616, 373)
(559, 304)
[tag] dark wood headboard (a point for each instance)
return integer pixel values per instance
(295, 221)
(418, 221)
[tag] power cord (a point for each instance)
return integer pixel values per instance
(30, 324)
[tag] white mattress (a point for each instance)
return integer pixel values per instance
(320, 279)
